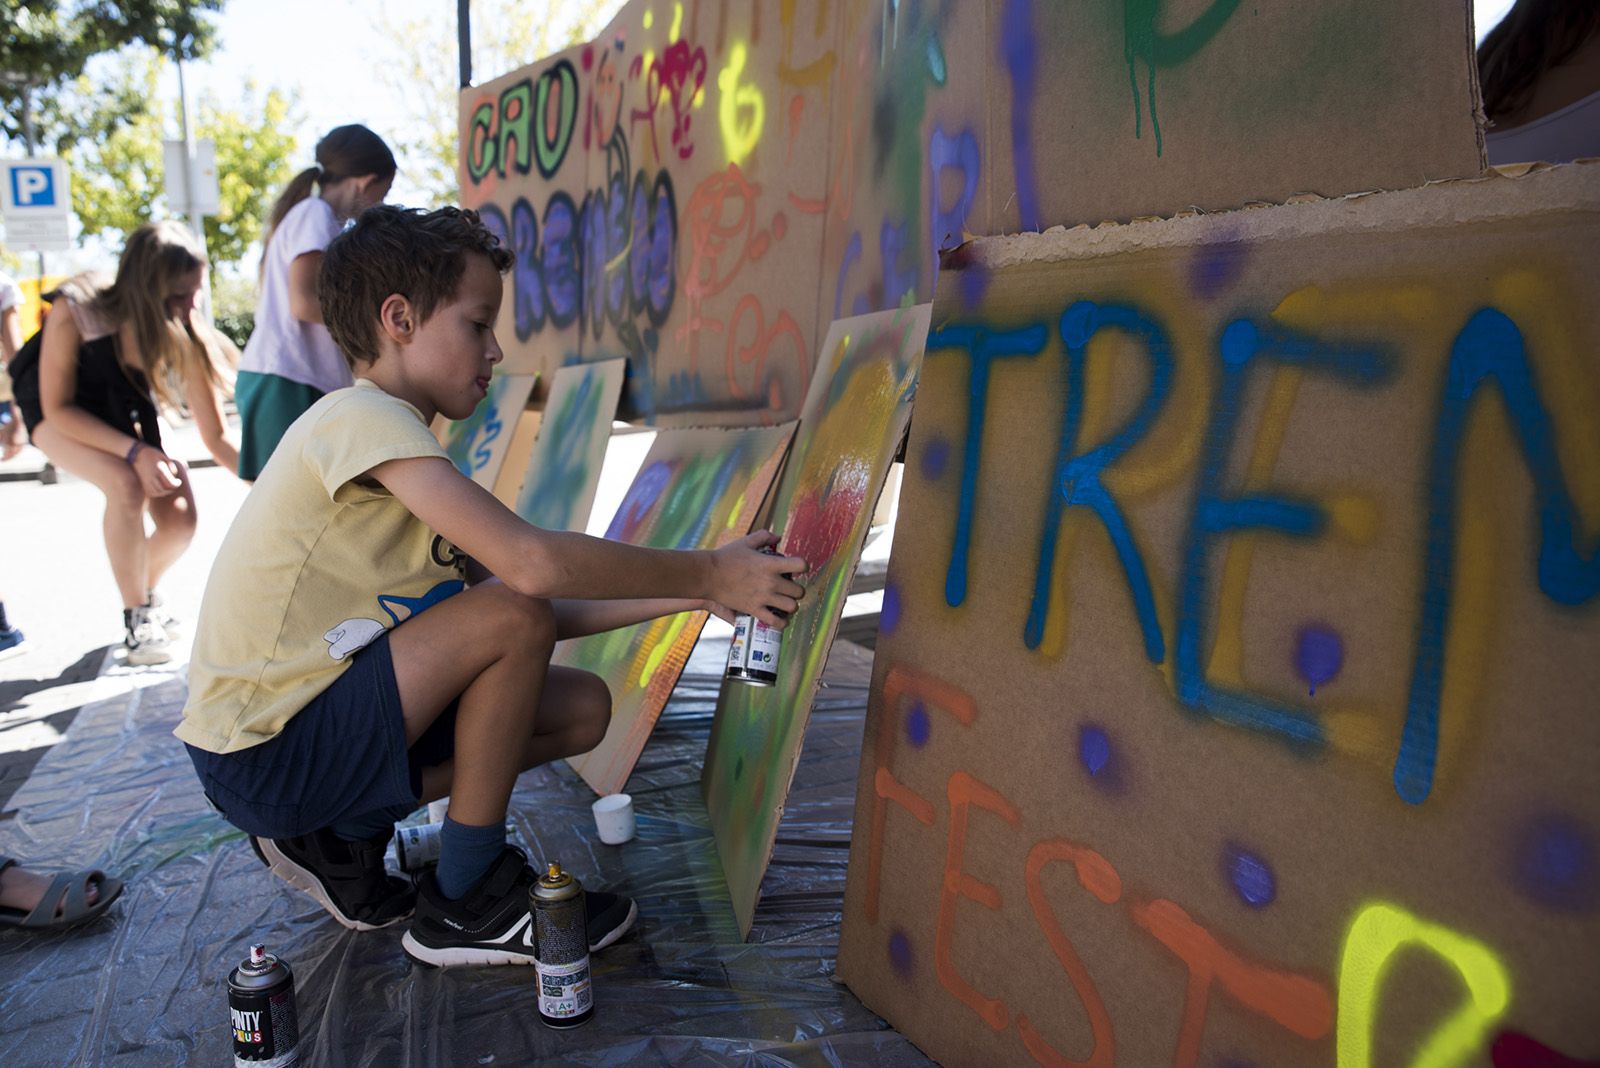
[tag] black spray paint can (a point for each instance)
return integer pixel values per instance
(561, 949)
(261, 1002)
(753, 656)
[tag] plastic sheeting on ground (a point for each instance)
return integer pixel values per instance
(146, 984)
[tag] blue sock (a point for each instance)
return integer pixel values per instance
(465, 854)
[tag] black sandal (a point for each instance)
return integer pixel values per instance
(66, 900)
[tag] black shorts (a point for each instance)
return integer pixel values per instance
(342, 756)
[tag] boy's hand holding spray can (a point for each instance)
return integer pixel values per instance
(753, 656)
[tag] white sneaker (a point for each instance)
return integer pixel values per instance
(146, 642)
(163, 615)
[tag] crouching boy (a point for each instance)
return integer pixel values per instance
(377, 629)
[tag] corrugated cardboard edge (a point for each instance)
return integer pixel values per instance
(1529, 189)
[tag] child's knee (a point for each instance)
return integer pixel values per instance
(529, 622)
(592, 698)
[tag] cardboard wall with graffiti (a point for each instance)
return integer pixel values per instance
(707, 185)
(1241, 711)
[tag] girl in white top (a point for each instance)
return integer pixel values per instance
(290, 361)
(1540, 72)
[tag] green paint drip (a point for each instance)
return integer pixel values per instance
(1141, 40)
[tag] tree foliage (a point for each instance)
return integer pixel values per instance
(49, 42)
(119, 175)
(420, 66)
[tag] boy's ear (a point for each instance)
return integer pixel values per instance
(397, 318)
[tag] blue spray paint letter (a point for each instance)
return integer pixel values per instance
(945, 152)
(982, 346)
(1077, 476)
(1489, 347)
(1217, 515)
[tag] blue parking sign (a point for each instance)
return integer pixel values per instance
(33, 187)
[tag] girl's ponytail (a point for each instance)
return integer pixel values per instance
(296, 191)
(347, 152)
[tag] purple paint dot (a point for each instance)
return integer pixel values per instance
(889, 614)
(918, 726)
(1318, 655)
(900, 953)
(1252, 879)
(1217, 267)
(935, 459)
(1094, 749)
(974, 283)
(1555, 863)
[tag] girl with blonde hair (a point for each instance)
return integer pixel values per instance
(88, 384)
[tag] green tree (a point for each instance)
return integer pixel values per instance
(425, 77)
(119, 179)
(48, 43)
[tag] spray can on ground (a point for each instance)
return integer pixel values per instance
(753, 656)
(561, 949)
(417, 846)
(261, 1002)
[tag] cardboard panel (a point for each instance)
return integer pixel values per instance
(852, 425)
(478, 444)
(1234, 698)
(697, 489)
(564, 470)
(1148, 107)
(522, 167)
(707, 185)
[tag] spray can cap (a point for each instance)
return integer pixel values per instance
(554, 878)
(258, 954)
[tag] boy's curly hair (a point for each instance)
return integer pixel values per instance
(418, 254)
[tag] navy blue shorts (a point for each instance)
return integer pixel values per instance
(342, 756)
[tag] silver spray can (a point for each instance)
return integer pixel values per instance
(753, 656)
(261, 1004)
(417, 846)
(561, 949)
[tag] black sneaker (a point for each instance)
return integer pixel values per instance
(610, 917)
(346, 878)
(492, 924)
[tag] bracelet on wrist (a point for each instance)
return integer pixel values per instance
(133, 452)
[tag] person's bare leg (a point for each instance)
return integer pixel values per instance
(175, 520)
(123, 525)
(574, 712)
(491, 646)
(23, 889)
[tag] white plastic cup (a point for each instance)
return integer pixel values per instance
(613, 817)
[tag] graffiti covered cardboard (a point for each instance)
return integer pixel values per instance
(852, 425)
(478, 444)
(706, 186)
(1217, 104)
(696, 489)
(563, 471)
(1234, 696)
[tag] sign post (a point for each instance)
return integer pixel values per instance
(36, 204)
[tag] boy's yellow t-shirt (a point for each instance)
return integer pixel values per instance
(319, 562)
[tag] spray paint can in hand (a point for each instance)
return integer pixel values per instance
(561, 949)
(261, 1002)
(753, 656)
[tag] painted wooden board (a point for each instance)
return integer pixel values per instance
(850, 429)
(564, 469)
(478, 444)
(696, 489)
